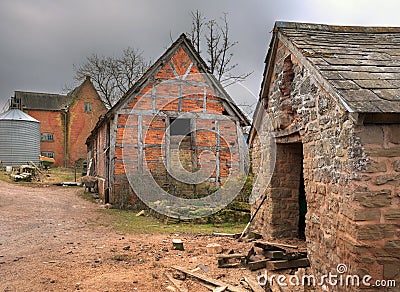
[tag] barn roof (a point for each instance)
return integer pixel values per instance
(361, 64)
(47, 101)
(43, 101)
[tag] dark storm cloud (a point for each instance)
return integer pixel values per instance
(41, 40)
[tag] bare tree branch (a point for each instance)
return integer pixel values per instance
(112, 77)
(218, 47)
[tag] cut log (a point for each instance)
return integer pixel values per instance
(253, 285)
(214, 248)
(285, 264)
(177, 244)
(209, 280)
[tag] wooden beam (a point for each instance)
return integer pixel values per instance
(276, 244)
(209, 280)
(217, 154)
(253, 285)
(176, 282)
(285, 264)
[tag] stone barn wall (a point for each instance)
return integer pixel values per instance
(351, 177)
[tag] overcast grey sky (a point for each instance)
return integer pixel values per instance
(42, 39)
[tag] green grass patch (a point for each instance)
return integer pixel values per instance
(87, 196)
(59, 175)
(4, 176)
(127, 222)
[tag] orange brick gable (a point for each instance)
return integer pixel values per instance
(176, 86)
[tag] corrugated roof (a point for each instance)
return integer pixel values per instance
(361, 63)
(43, 101)
(16, 114)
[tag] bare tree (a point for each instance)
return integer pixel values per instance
(215, 38)
(112, 77)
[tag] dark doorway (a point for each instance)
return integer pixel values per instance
(287, 193)
(302, 207)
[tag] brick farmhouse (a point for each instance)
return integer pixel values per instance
(65, 120)
(176, 116)
(331, 96)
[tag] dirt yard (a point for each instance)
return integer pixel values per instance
(53, 240)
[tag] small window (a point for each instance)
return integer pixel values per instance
(88, 107)
(179, 127)
(47, 137)
(48, 154)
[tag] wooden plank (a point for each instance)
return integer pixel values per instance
(285, 264)
(234, 235)
(253, 285)
(266, 246)
(231, 256)
(140, 144)
(249, 254)
(176, 282)
(228, 265)
(274, 254)
(281, 244)
(294, 255)
(209, 280)
(256, 265)
(217, 154)
(242, 148)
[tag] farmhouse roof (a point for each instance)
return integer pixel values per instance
(47, 101)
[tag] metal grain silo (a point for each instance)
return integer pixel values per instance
(19, 138)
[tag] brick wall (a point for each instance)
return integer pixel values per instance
(52, 122)
(81, 123)
(351, 177)
(165, 100)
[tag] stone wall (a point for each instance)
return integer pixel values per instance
(351, 177)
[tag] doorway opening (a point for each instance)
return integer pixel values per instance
(287, 190)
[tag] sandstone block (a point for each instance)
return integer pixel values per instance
(374, 232)
(374, 199)
(396, 166)
(392, 214)
(388, 178)
(360, 214)
(374, 166)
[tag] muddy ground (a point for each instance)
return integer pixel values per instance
(53, 240)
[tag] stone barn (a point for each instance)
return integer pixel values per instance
(330, 99)
(177, 117)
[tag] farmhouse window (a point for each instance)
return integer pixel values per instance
(88, 107)
(47, 137)
(48, 154)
